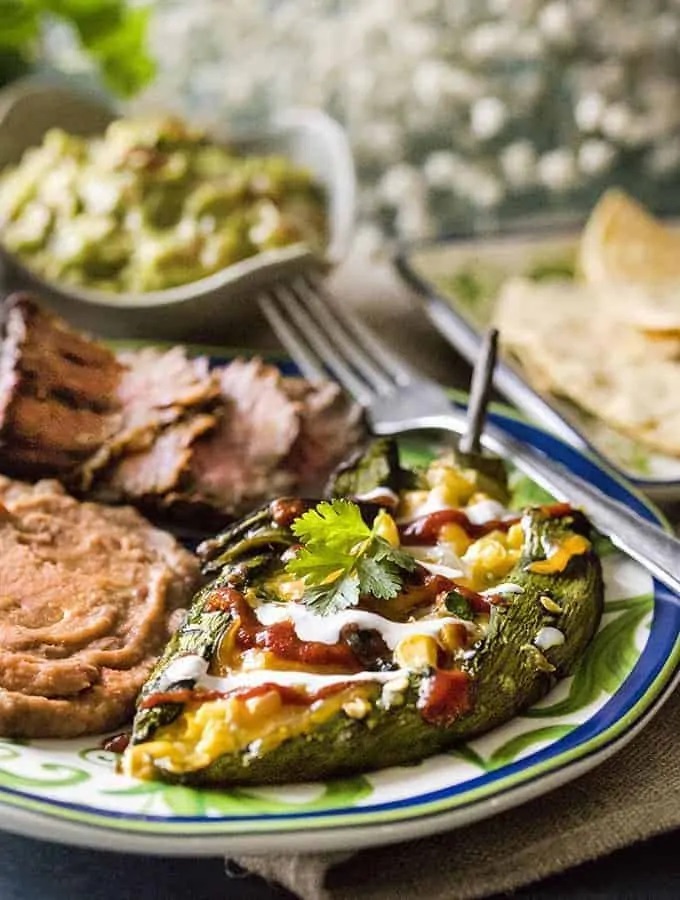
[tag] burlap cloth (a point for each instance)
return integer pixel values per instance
(633, 795)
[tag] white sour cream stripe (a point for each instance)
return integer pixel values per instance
(379, 493)
(178, 670)
(310, 626)
(487, 511)
(548, 637)
(440, 555)
(507, 587)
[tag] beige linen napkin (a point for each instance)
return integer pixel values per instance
(633, 795)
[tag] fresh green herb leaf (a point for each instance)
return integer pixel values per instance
(339, 594)
(318, 563)
(336, 525)
(458, 605)
(380, 579)
(382, 550)
(342, 558)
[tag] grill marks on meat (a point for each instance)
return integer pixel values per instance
(89, 595)
(159, 429)
(58, 400)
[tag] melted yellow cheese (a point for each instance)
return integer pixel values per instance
(559, 555)
(204, 733)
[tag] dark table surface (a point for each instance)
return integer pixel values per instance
(36, 870)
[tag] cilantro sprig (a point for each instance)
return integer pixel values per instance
(343, 558)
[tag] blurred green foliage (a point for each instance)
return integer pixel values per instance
(111, 32)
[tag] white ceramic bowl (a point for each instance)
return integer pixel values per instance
(204, 309)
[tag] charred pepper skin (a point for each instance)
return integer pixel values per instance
(507, 671)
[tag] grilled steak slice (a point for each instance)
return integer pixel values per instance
(158, 429)
(224, 461)
(89, 596)
(330, 428)
(239, 463)
(156, 389)
(153, 474)
(58, 393)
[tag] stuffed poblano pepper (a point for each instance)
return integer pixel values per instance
(407, 612)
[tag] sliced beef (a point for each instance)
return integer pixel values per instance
(239, 463)
(158, 471)
(89, 596)
(156, 389)
(157, 428)
(224, 461)
(58, 393)
(330, 428)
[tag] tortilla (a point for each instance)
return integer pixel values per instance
(572, 344)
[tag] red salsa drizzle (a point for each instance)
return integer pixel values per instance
(426, 529)
(445, 696)
(281, 640)
(429, 586)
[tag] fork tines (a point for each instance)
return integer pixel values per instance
(322, 337)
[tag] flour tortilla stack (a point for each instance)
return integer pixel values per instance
(570, 344)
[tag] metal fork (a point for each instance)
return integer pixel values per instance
(322, 337)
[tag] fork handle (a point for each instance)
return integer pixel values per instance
(655, 549)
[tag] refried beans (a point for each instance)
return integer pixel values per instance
(89, 596)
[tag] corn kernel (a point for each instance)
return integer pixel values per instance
(549, 604)
(411, 502)
(455, 535)
(263, 706)
(457, 485)
(515, 536)
(386, 528)
(356, 708)
(453, 636)
(488, 560)
(478, 497)
(417, 651)
(290, 588)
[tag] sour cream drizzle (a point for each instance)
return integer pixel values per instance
(326, 629)
(194, 667)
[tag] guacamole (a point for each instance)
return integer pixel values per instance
(150, 204)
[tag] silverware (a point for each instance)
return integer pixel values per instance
(480, 391)
(322, 337)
